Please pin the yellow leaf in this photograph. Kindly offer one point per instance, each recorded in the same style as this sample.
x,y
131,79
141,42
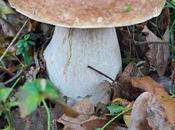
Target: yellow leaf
x,y
120,101
127,116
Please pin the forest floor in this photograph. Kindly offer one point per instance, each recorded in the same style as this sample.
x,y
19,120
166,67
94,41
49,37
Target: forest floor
x,y
141,98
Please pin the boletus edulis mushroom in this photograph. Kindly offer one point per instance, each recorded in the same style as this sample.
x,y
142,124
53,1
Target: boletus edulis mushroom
x,y
85,36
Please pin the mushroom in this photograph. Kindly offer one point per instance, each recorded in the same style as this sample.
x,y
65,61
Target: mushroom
x,y
85,35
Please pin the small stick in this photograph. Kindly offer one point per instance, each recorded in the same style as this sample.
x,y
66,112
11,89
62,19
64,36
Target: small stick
x,y
14,39
150,42
13,78
6,71
90,67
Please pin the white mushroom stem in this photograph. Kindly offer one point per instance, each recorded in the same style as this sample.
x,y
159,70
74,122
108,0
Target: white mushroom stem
x,y
72,50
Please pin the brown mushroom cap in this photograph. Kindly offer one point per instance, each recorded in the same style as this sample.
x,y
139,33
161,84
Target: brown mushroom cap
x,y
89,13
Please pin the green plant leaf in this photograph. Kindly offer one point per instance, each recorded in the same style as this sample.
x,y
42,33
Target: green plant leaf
x,y
26,46
47,89
171,3
20,43
114,109
28,98
31,43
26,37
19,51
32,93
1,109
4,93
6,128
23,48
27,58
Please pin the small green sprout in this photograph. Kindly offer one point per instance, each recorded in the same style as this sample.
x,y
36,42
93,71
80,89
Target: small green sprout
x,y
23,48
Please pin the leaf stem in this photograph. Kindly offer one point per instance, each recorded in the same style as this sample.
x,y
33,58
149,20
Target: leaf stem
x,y
9,119
109,122
12,87
48,115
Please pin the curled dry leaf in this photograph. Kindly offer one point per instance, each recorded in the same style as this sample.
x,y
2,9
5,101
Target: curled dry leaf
x,y
85,108
138,115
148,114
166,102
123,88
158,54
86,120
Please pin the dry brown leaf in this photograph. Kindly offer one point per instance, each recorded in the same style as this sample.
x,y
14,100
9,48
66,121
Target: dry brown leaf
x,y
68,110
86,120
123,88
93,123
164,19
148,114
158,54
138,115
149,85
96,122
85,108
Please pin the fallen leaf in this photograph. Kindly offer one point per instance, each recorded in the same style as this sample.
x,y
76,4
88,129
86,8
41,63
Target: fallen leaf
x,y
122,87
149,85
120,101
164,19
68,110
127,116
138,115
85,108
158,54
115,109
148,114
164,81
37,120
95,122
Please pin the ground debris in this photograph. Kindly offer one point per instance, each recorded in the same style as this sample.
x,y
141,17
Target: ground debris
x,y
148,114
166,102
158,54
122,87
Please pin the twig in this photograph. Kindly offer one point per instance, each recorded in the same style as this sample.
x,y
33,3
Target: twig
x,y
13,78
6,71
37,69
14,39
150,42
73,122
90,67
109,122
